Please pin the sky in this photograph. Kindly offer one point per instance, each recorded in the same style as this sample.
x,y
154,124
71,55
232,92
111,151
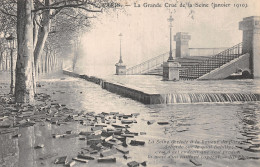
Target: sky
x,y
146,30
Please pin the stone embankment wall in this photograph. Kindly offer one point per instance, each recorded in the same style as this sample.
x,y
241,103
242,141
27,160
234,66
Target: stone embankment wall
x,y
119,89
146,98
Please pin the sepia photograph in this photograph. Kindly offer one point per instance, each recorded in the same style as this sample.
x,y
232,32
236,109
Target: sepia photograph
x,y
129,83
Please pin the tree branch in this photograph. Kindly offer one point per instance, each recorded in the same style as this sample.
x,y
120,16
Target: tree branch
x,y
59,7
55,13
89,10
9,14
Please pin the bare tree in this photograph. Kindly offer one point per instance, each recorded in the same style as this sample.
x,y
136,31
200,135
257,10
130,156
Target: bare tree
x,y
34,19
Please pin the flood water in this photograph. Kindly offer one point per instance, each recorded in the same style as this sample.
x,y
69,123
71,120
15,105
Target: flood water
x,y
155,85
214,134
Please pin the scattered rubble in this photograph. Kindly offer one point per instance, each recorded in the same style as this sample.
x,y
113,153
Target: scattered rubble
x,y
106,134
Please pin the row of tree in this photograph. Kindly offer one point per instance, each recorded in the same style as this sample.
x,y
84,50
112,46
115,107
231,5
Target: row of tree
x,y
49,61
45,31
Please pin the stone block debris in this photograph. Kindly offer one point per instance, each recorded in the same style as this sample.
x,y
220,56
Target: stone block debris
x,y
70,163
150,122
127,121
93,141
107,153
106,160
126,156
133,164
137,143
122,149
143,163
118,126
128,135
80,160
97,147
39,146
162,123
61,160
84,156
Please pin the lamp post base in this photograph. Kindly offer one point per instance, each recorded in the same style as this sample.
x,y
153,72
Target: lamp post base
x,y
171,71
120,69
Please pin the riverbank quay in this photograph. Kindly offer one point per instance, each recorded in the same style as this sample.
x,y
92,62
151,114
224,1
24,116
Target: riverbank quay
x,y
152,90
161,135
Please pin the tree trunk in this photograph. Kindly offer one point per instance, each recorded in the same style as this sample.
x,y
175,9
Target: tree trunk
x,y
12,72
1,61
42,34
6,62
39,69
55,61
24,67
36,21
62,64
49,62
42,64
46,61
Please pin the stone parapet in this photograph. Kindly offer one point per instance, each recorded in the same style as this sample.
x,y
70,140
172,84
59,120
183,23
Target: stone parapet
x,y
182,44
251,42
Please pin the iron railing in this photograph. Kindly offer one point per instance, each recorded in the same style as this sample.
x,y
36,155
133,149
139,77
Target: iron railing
x,y
212,63
148,65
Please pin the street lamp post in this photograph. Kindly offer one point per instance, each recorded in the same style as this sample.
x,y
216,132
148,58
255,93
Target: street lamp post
x,y
10,41
120,37
171,68
170,53
120,67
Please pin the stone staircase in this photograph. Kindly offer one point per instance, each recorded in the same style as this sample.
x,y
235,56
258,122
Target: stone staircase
x,y
198,70
186,62
192,67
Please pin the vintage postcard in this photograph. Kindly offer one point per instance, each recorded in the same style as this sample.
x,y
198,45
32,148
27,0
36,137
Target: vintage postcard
x,y
157,83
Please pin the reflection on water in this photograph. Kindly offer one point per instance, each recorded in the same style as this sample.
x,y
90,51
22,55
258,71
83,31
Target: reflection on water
x,y
249,120
9,151
238,122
